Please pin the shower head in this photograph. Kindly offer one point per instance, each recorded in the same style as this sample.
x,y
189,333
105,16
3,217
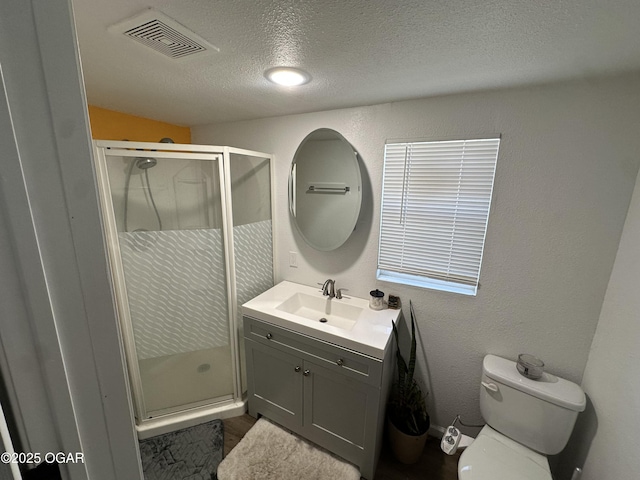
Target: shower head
x,y
145,162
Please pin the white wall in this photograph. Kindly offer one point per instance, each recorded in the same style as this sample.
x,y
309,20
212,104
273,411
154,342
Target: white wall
x,y
610,378
59,274
566,170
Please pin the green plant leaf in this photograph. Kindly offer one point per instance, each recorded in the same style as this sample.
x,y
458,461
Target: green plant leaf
x,y
412,355
407,407
402,366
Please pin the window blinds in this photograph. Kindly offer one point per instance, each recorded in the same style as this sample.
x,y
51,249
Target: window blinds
x,y
435,206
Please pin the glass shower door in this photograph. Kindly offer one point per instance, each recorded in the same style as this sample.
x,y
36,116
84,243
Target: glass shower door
x,y
168,209
250,179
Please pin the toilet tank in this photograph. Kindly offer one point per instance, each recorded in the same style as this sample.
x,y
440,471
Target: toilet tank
x,y
539,414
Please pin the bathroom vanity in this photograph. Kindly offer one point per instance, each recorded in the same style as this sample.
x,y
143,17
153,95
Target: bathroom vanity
x,y
327,381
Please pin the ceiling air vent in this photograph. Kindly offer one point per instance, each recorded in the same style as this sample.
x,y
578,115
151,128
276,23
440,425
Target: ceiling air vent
x,y
163,34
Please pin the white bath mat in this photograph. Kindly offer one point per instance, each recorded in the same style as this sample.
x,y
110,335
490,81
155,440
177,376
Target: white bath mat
x,y
267,452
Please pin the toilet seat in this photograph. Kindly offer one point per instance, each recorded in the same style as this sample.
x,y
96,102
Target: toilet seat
x,y
492,456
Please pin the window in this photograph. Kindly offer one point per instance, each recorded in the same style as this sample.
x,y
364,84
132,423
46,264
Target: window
x,y
435,207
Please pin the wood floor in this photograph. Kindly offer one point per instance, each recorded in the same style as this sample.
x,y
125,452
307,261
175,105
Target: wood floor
x,y
433,465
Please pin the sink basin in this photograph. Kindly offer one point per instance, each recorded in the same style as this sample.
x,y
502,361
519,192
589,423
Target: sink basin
x,y
322,309
347,322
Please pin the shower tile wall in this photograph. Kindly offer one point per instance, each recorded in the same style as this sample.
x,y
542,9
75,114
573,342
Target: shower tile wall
x,y
177,290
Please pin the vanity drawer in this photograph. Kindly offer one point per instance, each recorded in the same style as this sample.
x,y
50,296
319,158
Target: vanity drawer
x,y
328,355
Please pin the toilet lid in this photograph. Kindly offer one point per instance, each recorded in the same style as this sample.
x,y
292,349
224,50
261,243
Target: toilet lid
x,y
493,456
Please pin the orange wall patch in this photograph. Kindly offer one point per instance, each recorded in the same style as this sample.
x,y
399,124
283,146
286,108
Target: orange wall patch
x,y
111,125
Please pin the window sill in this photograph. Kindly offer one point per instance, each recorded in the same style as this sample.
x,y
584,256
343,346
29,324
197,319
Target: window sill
x,y
425,282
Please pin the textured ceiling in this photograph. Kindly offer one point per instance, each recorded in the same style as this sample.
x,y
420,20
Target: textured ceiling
x,y
359,52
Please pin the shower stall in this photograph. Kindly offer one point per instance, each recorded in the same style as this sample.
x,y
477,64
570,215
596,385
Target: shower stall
x,y
189,234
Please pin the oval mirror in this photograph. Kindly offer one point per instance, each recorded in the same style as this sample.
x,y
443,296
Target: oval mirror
x,y
325,189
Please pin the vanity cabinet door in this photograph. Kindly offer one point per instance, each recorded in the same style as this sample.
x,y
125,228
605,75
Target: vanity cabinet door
x,y
274,384
332,396
340,414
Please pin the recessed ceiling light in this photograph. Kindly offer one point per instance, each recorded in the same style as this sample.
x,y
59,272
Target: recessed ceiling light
x,y
287,76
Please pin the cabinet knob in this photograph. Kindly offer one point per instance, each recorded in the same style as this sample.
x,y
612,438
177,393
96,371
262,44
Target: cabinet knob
x,y
340,362
269,336
297,369
306,373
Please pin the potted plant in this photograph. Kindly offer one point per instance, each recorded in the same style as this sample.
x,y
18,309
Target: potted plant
x,y
408,420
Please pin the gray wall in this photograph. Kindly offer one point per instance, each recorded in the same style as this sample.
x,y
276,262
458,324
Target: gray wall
x,y
566,170
610,379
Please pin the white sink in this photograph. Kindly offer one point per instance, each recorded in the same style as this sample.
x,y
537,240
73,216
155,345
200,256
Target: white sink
x,y
322,309
348,322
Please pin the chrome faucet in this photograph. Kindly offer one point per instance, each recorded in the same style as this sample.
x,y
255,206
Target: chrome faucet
x,y
329,288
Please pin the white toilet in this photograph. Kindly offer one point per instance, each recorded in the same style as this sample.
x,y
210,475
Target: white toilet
x,y
526,420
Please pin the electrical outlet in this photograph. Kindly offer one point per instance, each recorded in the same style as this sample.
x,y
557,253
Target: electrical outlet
x,y
293,259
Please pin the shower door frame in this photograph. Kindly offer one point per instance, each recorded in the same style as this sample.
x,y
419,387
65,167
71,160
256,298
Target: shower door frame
x,y
176,151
